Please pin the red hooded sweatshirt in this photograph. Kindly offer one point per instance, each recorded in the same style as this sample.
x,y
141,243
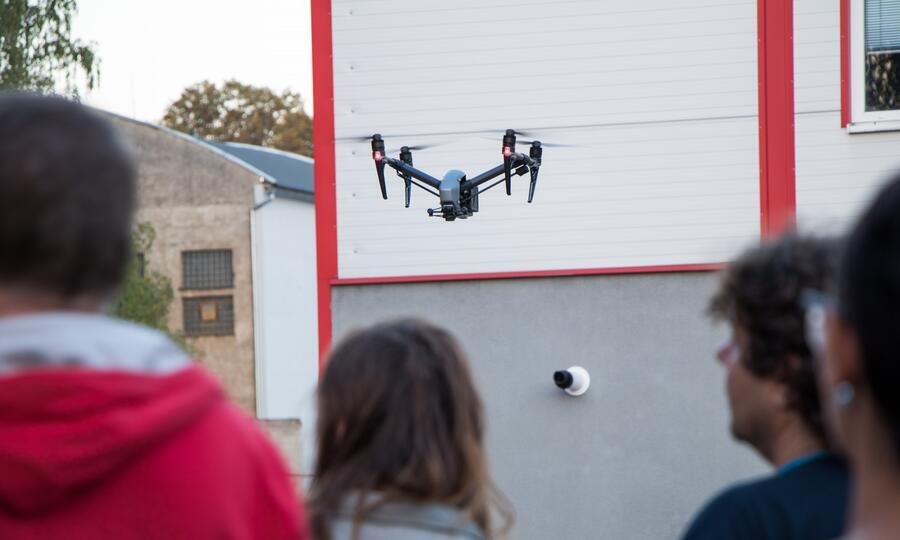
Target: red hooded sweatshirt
x,y
92,454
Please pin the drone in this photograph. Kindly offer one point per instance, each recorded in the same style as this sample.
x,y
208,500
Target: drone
x,y
459,195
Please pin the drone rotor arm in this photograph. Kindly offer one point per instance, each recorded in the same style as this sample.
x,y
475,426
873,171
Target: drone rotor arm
x,y
413,172
486,176
516,161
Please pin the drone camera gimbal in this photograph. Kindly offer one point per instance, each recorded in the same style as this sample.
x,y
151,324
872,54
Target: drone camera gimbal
x,y
458,195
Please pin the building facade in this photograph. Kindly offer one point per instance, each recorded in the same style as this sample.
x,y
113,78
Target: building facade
x,y
238,245
693,129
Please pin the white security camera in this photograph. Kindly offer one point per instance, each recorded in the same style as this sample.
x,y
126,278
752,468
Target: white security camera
x,y
575,380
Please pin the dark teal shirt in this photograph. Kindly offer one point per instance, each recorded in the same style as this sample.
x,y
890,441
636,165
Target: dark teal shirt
x,y
805,500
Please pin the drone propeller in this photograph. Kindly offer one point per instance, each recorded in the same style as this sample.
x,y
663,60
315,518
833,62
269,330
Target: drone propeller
x,y
416,148
360,139
518,133
544,144
550,145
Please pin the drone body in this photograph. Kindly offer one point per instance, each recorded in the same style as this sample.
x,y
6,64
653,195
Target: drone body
x,y
459,195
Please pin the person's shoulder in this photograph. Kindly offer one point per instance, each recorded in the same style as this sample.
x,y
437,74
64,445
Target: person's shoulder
x,y
395,520
239,441
234,456
732,514
827,466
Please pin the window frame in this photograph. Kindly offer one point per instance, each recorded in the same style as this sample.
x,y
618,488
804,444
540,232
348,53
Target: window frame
x,y
196,302
185,254
861,120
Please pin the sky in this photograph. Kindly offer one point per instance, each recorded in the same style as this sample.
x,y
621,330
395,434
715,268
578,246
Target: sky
x,y
150,51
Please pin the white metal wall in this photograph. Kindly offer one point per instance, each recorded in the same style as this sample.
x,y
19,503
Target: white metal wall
x,y
285,309
661,96
837,172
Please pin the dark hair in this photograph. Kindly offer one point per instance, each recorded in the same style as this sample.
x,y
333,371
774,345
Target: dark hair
x,y
67,189
399,415
761,293
869,299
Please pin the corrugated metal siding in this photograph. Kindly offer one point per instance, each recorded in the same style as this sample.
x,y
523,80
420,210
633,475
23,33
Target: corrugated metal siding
x,y
817,56
660,96
837,172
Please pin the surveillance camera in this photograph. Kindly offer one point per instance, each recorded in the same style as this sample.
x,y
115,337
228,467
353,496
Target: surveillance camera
x,y
575,380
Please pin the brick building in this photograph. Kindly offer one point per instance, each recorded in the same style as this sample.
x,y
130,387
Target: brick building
x,y
235,233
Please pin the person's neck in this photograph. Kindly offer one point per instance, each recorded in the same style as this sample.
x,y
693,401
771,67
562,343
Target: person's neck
x,y
877,482
791,441
15,302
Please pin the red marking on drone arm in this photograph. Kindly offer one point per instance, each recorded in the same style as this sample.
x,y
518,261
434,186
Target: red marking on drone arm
x,y
777,190
324,168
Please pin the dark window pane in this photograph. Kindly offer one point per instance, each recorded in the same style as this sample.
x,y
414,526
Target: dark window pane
x,y
207,269
883,81
208,316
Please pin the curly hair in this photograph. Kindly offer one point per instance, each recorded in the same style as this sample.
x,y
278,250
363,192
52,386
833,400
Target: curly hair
x,y
760,292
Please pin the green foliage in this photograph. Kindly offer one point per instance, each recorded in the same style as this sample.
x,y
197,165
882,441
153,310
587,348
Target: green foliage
x,y
146,296
235,112
37,51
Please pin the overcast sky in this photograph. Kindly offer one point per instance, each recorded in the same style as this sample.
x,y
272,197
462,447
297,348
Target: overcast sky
x,y
150,51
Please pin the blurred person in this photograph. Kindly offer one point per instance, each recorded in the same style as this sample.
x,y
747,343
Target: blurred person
x,y
860,375
107,430
401,441
774,400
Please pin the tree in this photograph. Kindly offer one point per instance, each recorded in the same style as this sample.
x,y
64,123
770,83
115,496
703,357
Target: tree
x,y
235,112
146,296
37,51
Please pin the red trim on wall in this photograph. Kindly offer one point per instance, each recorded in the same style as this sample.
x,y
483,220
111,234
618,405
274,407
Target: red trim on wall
x,y
845,63
533,274
324,166
778,201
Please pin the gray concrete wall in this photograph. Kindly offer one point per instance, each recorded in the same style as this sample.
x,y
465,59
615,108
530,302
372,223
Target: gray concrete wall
x,y
636,455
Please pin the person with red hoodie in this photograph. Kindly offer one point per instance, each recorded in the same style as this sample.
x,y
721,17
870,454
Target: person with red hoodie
x,y
107,429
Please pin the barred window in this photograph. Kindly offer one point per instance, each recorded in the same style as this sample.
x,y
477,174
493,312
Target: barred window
x,y
208,269
209,316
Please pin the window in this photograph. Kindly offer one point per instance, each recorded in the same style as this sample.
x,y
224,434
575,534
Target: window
x,y
208,316
875,62
209,269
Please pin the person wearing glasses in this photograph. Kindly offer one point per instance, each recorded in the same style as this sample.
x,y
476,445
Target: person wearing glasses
x,y
859,338
774,399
